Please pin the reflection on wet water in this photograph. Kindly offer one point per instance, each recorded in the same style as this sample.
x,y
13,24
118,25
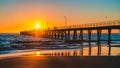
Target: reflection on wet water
x,y
115,51
38,53
10,43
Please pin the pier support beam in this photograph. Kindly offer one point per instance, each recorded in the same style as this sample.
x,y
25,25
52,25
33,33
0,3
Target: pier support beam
x,y
62,35
109,41
52,34
55,36
89,36
44,34
65,34
75,35
48,35
81,41
58,35
98,41
68,36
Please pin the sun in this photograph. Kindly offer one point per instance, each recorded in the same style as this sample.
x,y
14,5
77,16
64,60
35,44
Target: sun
x,y
38,53
37,26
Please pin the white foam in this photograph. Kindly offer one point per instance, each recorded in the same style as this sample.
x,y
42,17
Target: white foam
x,y
17,53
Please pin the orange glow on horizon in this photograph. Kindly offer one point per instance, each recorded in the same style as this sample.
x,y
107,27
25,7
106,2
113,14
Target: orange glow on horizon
x,y
18,16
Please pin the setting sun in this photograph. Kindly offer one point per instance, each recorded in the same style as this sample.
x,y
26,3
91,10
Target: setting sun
x,y
37,26
38,53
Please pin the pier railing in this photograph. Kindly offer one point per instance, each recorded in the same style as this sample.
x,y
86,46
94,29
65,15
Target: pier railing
x,y
99,24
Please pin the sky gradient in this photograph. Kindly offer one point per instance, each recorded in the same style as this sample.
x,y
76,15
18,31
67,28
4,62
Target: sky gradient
x,y
18,15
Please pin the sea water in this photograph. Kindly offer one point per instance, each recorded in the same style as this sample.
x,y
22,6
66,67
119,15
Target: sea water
x,y
6,40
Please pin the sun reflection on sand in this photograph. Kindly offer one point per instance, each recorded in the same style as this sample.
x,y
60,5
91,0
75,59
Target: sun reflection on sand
x,y
104,52
37,53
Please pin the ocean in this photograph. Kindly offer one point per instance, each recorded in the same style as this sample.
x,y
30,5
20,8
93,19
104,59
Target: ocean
x,y
7,42
17,43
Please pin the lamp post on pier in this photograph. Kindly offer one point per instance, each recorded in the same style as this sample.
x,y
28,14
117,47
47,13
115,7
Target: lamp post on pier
x,y
65,21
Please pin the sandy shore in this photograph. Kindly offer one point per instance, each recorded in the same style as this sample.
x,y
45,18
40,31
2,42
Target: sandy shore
x,y
29,59
61,62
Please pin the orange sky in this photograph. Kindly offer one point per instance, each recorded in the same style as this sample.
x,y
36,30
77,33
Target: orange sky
x,y
17,15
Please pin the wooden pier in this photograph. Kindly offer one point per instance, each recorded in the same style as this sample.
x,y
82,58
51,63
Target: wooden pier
x,y
64,33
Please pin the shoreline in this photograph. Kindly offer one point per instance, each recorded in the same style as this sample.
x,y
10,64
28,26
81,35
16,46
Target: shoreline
x,y
115,52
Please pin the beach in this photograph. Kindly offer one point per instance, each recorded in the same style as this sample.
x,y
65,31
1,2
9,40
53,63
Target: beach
x,y
47,54
16,42
62,52
61,62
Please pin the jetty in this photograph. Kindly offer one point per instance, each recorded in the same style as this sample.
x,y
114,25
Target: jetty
x,y
76,31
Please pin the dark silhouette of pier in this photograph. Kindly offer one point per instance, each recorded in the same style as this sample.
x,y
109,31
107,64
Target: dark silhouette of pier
x,y
64,33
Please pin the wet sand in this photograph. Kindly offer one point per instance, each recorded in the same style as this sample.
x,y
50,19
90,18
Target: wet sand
x,y
61,62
